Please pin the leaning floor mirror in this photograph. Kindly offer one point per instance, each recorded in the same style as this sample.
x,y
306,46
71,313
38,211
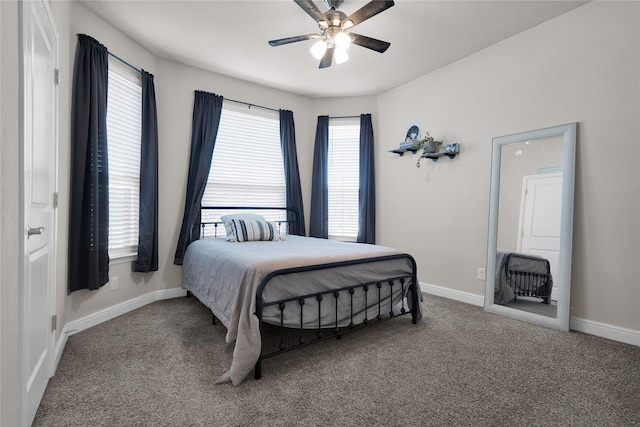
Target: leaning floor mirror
x,y
528,274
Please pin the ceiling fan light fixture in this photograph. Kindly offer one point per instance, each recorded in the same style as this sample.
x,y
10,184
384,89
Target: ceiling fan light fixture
x,y
333,40
341,56
342,41
318,49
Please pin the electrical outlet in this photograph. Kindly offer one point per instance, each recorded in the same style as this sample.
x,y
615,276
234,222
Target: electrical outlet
x,y
114,283
481,273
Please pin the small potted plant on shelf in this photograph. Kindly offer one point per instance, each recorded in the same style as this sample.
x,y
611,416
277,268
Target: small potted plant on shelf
x,y
428,145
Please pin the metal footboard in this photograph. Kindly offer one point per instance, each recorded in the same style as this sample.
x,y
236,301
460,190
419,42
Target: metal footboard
x,y
525,283
319,302
530,281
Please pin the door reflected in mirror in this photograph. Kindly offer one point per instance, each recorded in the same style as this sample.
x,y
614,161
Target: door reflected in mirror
x,y
530,226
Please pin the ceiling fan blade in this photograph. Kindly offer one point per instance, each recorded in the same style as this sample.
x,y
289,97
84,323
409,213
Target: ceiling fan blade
x,y
367,11
312,10
327,58
369,43
287,40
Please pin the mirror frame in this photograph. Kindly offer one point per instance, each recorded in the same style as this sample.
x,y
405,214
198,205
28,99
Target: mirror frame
x,y
568,132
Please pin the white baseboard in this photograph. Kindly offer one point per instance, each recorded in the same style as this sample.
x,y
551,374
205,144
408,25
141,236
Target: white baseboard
x,y
591,327
616,333
466,297
110,313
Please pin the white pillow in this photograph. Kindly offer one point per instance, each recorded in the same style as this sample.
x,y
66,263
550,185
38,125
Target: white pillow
x,y
246,230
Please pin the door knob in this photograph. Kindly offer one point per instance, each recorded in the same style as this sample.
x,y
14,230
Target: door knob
x,y
34,230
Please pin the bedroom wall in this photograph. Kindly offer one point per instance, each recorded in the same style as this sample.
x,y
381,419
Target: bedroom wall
x,y
580,67
71,19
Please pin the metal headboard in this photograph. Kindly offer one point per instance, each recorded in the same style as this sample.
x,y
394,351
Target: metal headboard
x,y
291,219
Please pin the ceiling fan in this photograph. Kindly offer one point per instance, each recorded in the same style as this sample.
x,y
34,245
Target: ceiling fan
x,y
333,39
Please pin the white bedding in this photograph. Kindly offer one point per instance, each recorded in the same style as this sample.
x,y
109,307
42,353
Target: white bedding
x,y
224,276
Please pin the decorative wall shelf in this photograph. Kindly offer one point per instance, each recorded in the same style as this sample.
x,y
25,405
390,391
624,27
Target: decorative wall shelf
x,y
401,151
450,150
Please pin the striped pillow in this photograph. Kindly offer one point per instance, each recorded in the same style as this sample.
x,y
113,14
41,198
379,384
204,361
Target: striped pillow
x,y
245,230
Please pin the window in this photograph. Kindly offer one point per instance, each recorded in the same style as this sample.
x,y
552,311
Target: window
x,y
343,176
124,129
247,168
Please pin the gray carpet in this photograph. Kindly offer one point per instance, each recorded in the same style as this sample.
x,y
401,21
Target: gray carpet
x,y
461,366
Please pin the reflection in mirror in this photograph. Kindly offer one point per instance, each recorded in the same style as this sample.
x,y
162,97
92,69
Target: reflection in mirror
x,y
530,226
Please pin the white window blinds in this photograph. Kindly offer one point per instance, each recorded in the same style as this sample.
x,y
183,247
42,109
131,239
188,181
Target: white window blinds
x,y
247,168
124,129
343,174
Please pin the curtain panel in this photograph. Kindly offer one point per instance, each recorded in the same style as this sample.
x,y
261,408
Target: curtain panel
x,y
291,172
367,195
318,221
88,266
207,108
148,213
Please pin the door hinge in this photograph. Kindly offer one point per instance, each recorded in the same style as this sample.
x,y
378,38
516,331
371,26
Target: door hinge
x,y
56,76
55,200
54,322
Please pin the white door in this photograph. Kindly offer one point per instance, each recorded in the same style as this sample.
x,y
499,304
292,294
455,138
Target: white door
x,y
39,49
540,220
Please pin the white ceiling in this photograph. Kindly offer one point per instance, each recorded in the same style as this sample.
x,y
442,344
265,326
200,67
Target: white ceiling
x,y
230,37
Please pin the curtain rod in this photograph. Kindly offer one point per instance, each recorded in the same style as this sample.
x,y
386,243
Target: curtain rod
x,y
113,55
273,109
251,105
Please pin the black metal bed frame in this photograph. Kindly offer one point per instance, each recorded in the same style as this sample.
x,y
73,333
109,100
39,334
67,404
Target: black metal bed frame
x,y
303,337
215,224
527,283
385,309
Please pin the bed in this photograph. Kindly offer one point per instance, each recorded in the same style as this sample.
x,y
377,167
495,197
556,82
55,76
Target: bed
x,y
310,289
519,274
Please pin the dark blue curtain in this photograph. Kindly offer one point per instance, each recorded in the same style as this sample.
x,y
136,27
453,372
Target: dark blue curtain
x,y
148,216
291,172
207,108
318,221
88,266
367,195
